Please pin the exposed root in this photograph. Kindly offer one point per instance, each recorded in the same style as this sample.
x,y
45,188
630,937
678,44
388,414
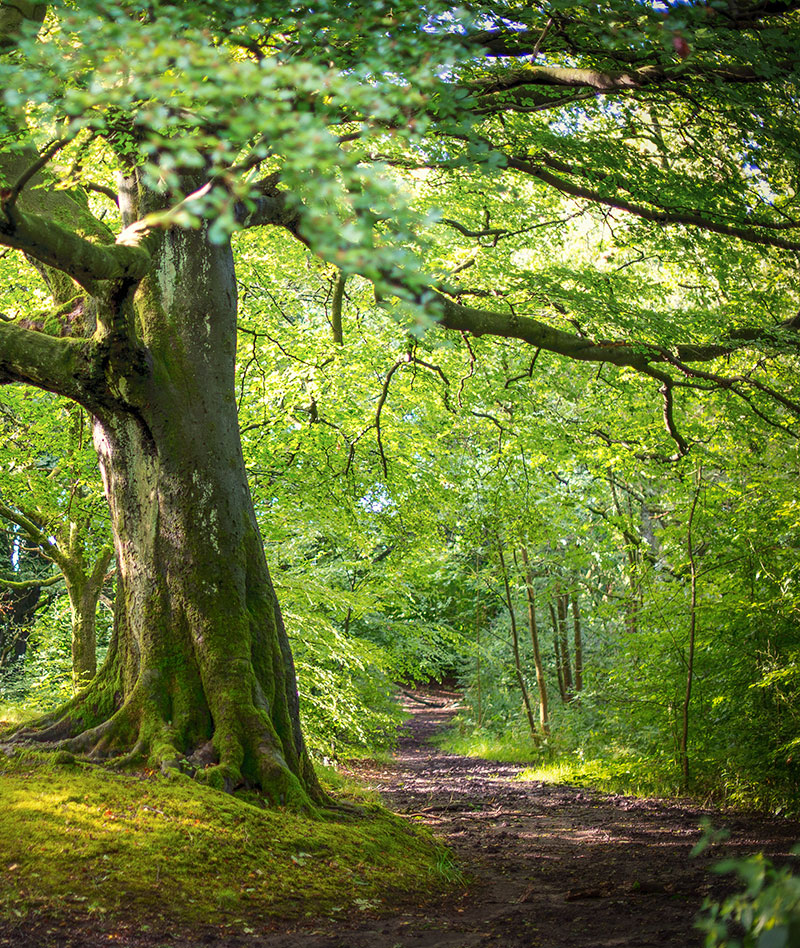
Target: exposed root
x,y
166,725
133,738
54,734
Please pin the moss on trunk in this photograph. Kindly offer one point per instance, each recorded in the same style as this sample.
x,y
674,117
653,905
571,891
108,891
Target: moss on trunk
x,y
200,675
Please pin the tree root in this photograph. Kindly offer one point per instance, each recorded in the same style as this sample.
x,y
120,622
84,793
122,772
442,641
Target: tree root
x,y
133,738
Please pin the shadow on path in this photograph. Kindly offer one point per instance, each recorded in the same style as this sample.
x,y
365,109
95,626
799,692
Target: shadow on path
x,y
552,866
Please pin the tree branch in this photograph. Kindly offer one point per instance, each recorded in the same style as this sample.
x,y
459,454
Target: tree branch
x,y
30,583
60,365
57,247
34,169
601,81
667,385
657,215
101,565
379,408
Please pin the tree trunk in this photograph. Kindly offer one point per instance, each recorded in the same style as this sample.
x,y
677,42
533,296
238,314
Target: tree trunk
x,y
559,658
83,608
544,718
199,675
526,699
478,683
566,664
83,590
578,640
690,549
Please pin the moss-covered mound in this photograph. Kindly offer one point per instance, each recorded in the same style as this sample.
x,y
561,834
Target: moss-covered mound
x,y
79,839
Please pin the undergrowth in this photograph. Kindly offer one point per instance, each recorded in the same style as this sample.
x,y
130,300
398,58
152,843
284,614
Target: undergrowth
x,y
599,762
78,839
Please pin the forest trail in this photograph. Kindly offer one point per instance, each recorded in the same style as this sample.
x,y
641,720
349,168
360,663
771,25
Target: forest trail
x,y
551,866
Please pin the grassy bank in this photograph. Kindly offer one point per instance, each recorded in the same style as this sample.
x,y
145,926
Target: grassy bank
x,y
78,839
612,768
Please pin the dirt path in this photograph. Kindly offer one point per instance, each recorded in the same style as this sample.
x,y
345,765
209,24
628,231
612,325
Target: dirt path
x,y
553,867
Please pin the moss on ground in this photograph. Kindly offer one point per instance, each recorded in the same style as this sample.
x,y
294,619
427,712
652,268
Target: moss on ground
x,y
77,839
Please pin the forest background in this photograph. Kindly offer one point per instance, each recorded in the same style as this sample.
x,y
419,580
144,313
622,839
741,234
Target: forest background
x,y
602,553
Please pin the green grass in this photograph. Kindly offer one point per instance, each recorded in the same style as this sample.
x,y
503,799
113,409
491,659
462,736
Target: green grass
x,y
611,768
77,838
508,748
619,771
616,775
11,713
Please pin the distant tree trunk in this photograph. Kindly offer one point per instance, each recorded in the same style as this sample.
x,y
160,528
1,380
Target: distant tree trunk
x,y
515,646
578,639
562,606
17,607
557,649
478,641
67,549
83,590
544,719
684,748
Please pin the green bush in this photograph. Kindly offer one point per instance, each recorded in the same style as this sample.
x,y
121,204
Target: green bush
x,y
766,914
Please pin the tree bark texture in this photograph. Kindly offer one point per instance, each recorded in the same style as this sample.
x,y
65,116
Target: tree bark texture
x,y
199,674
577,637
563,640
526,698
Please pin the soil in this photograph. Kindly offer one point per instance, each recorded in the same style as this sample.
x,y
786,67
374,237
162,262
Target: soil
x,y
549,866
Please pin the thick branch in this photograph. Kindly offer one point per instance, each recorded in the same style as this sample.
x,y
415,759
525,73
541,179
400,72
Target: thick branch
x,y
657,215
36,534
638,356
481,322
31,583
602,81
271,206
57,247
60,365
101,565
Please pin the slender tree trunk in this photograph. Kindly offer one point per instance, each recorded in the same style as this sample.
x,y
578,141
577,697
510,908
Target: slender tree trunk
x,y
526,699
684,746
479,694
544,718
84,593
578,640
67,549
557,649
562,604
83,589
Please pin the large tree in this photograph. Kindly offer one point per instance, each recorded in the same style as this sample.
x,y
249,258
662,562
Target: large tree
x,y
193,120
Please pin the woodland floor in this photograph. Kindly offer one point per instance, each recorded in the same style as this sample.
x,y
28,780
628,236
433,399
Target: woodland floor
x,y
549,866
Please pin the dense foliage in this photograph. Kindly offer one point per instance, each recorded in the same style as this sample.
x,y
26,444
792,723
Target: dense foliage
x,y
517,353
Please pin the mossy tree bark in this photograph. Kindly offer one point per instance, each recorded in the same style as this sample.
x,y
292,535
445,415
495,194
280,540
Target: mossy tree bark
x,y
199,674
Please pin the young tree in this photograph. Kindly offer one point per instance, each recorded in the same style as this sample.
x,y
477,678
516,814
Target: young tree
x,y
52,495
211,118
